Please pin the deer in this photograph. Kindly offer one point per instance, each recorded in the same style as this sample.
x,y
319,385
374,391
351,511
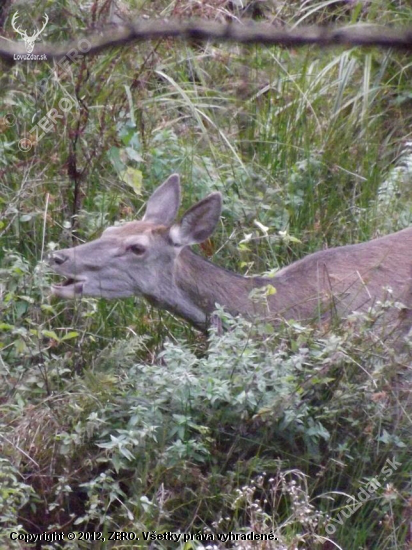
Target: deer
x,y
152,258
29,41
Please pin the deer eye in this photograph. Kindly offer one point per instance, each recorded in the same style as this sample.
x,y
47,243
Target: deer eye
x,y
137,249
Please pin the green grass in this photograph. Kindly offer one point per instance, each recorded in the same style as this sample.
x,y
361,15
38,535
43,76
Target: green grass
x,y
117,417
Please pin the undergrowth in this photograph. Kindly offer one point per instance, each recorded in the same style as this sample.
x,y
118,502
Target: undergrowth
x,y
117,417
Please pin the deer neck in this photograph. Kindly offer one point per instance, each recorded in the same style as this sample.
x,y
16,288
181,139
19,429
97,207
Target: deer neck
x,y
198,285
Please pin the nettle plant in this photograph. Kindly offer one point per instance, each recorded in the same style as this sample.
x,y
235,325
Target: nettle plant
x,y
291,382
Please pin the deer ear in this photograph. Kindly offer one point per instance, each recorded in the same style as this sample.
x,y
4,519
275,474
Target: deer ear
x,y
164,203
199,222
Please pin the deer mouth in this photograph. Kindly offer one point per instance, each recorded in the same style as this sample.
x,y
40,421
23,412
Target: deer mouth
x,y
70,288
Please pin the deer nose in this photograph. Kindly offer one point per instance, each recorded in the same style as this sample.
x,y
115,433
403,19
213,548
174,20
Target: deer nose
x,y
57,258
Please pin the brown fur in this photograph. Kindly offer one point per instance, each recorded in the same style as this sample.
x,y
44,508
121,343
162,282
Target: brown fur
x,y
327,283
152,258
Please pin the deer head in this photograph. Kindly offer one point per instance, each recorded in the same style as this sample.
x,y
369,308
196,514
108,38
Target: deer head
x,y
139,257
28,40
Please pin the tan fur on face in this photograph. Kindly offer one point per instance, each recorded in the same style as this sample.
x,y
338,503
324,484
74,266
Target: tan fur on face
x,y
131,228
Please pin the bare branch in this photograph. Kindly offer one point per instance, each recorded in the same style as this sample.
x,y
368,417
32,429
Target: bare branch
x,y
195,29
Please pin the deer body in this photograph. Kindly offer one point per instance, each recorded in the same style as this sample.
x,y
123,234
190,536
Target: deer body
x,y
152,258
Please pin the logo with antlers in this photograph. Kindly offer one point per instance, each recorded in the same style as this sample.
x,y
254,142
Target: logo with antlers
x,y
28,40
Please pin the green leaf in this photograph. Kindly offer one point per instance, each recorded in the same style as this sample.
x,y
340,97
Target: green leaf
x,y
70,335
50,334
115,158
48,308
133,155
133,178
